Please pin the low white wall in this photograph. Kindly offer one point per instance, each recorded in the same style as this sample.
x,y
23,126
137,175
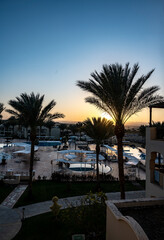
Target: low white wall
x,y
119,227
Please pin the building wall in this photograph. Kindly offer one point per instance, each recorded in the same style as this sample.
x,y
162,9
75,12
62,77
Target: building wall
x,y
22,132
119,227
153,146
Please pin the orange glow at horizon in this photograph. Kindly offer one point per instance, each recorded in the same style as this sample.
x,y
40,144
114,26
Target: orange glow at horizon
x,y
81,113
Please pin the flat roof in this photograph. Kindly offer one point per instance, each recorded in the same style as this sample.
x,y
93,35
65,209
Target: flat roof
x,y
158,105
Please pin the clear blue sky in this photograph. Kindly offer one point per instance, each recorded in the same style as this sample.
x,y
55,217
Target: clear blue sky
x,y
46,45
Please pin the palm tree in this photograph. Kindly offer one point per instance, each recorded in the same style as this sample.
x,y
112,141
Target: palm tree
x,y
99,130
30,111
114,92
62,127
73,128
12,122
7,125
1,109
49,123
79,126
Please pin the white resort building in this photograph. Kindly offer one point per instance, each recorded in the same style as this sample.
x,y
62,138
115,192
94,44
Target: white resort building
x,y
154,160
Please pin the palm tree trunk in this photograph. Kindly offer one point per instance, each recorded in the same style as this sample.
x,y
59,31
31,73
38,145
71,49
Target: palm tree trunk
x,y
13,130
40,130
32,138
27,133
119,131
121,167
97,161
49,132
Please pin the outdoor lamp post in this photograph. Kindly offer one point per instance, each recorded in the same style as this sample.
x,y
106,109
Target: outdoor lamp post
x,y
51,167
23,215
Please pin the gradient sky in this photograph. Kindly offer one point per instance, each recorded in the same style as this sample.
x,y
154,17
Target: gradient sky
x,y
47,45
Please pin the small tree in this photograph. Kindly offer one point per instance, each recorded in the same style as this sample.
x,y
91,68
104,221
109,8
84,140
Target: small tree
x,y
12,122
99,130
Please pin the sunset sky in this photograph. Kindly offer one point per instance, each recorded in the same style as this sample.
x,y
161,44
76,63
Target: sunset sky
x,y
47,45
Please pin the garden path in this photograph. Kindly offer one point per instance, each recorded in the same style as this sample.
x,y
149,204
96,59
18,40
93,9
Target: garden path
x,y
10,220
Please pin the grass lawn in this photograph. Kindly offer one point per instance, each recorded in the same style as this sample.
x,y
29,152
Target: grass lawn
x,y
45,190
5,190
88,220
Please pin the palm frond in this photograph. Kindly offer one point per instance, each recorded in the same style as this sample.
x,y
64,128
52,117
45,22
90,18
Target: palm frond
x,y
29,109
113,91
55,116
98,128
1,107
47,109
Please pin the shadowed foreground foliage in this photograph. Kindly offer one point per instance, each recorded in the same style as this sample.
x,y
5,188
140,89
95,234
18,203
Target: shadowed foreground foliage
x,y
45,190
5,190
89,220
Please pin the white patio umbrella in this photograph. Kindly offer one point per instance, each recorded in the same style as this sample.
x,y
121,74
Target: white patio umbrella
x,y
93,156
73,151
70,156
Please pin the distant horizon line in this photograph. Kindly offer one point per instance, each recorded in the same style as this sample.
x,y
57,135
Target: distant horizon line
x,y
127,124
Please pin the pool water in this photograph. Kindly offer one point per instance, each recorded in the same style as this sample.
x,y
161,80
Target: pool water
x,y
84,167
81,167
47,143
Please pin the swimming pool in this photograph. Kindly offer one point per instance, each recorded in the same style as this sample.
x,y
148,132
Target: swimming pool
x,y
133,155
47,143
81,167
85,167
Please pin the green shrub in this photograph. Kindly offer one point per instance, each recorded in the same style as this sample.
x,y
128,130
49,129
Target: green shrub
x,y
90,216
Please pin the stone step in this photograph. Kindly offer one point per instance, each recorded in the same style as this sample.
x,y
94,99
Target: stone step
x,y
13,197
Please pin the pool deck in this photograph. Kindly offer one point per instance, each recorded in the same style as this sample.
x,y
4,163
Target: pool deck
x,y
10,220
43,167
47,164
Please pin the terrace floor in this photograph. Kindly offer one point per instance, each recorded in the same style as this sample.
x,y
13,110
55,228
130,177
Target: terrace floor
x,y
151,219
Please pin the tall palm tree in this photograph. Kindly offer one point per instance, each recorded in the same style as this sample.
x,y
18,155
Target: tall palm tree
x,y
99,130
30,111
114,92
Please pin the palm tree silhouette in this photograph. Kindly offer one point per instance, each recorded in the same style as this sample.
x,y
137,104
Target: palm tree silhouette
x,y
49,123
30,111
114,92
99,129
1,109
12,122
